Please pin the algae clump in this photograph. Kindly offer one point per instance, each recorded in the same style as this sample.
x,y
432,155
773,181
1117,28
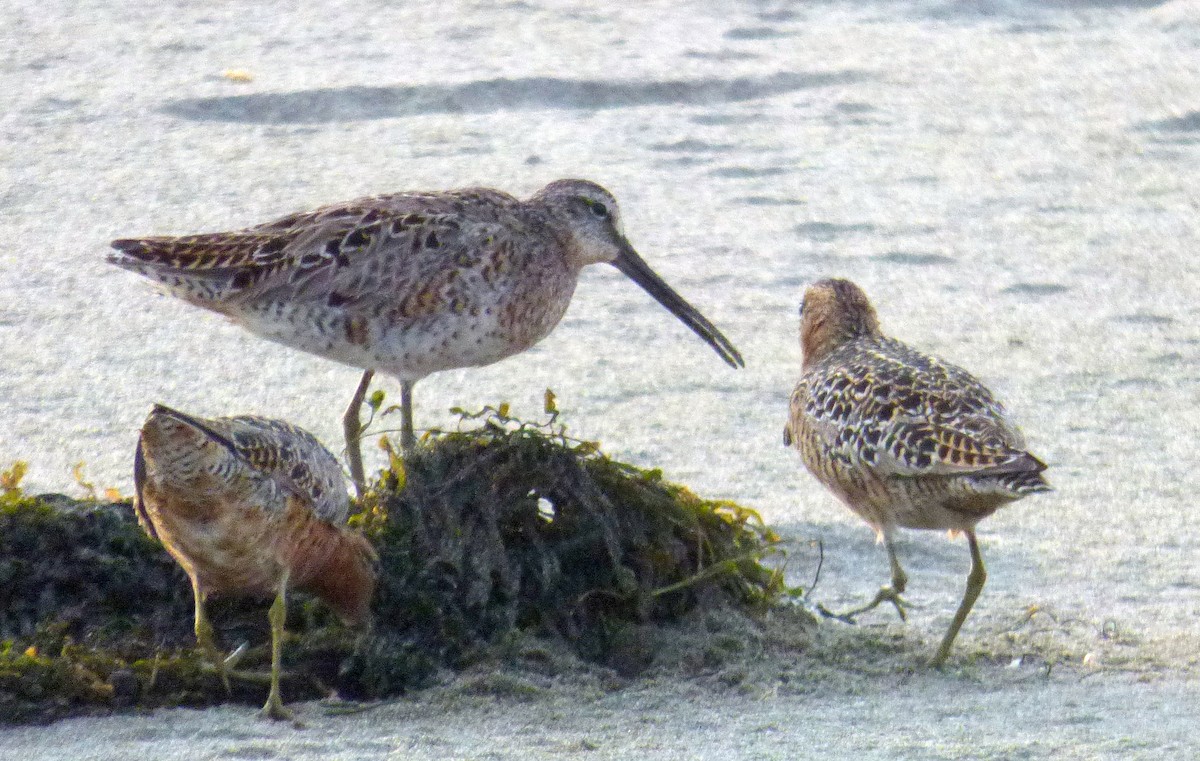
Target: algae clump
x,y
501,526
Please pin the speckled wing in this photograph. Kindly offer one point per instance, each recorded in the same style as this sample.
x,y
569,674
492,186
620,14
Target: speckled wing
x,y
212,268
901,412
356,253
291,457
394,263
290,460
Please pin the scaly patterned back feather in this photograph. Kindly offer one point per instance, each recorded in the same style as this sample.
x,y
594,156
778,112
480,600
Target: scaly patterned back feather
x,y
902,436
281,458
897,410
360,253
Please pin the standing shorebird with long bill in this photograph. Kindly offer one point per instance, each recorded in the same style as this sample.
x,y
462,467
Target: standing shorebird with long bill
x,y
903,438
409,283
248,505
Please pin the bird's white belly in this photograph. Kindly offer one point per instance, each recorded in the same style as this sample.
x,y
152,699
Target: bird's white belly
x,y
409,350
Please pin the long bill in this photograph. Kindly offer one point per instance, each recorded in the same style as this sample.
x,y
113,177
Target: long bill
x,y
636,269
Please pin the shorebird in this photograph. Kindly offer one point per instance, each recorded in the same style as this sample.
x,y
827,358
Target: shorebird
x,y
252,506
409,283
903,438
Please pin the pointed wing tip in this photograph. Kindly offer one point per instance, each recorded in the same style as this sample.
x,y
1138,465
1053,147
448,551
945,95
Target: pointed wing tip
x,y
1023,474
128,246
129,253
1025,462
162,409
205,427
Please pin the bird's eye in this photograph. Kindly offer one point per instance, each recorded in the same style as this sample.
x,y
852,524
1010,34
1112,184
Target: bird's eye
x,y
599,209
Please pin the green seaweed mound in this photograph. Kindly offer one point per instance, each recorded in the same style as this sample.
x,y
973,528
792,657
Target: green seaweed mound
x,y
502,526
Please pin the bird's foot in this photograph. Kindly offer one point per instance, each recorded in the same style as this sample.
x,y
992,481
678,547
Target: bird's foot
x,y
227,675
217,663
885,594
227,669
939,659
207,641
274,709
249,677
225,666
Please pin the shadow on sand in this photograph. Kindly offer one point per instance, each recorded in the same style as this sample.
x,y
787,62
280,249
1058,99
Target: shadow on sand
x,y
341,104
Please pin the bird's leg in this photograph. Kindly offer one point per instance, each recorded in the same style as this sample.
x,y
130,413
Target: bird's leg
x,y
206,638
975,581
885,594
899,580
277,616
408,437
352,427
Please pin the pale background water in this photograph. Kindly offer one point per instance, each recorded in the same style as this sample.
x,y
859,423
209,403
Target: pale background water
x,y
1015,184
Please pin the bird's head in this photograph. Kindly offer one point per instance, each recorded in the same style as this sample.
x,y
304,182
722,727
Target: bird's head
x,y
589,214
347,580
833,312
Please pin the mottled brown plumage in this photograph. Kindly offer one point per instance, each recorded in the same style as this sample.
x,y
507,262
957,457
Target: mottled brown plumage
x,y
248,505
903,438
409,283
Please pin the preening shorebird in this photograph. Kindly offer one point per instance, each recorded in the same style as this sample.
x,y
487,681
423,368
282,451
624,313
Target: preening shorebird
x,y
248,505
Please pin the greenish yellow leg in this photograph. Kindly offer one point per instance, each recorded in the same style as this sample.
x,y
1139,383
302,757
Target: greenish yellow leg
x,y
352,428
886,593
408,436
975,581
277,616
205,636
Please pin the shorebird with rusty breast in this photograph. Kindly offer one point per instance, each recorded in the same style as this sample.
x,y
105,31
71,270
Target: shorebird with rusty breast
x,y
249,505
903,438
409,283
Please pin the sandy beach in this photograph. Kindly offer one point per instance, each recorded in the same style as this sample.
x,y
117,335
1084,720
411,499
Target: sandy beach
x,y
1015,184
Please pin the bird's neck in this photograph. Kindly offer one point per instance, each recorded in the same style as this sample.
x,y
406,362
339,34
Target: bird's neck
x,y
346,581
819,339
